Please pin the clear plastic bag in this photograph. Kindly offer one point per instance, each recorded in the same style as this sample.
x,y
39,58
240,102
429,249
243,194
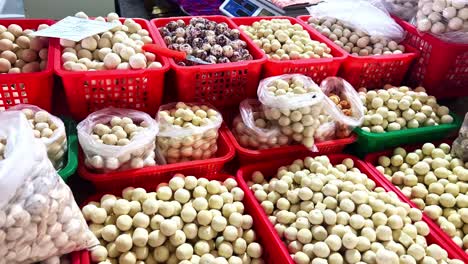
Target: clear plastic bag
x,y
253,131
56,144
39,218
138,153
369,16
447,19
293,102
460,145
404,9
344,107
183,142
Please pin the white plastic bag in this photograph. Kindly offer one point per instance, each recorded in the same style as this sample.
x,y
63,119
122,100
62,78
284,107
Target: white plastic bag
x,y
293,102
39,218
344,117
56,144
447,19
370,17
460,145
404,9
138,153
183,141
253,131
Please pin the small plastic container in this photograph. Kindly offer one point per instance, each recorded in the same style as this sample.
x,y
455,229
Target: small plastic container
x,y
223,84
369,142
122,179
72,150
28,88
244,174
442,67
317,69
372,159
89,91
270,250
372,71
248,156
80,257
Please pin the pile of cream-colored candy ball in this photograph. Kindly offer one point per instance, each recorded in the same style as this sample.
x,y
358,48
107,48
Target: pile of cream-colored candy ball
x,y
436,182
334,214
398,108
119,132
188,220
405,9
120,48
188,132
21,52
441,16
46,128
297,123
281,40
251,139
356,42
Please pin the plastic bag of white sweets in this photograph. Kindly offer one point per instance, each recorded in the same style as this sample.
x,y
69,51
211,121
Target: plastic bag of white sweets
x,y
344,107
253,131
39,218
188,131
50,129
293,102
404,9
460,145
369,16
118,139
447,19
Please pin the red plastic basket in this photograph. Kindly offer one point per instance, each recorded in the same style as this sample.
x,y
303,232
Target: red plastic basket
x,y
373,71
122,179
442,67
244,174
249,156
221,85
317,69
270,251
372,159
28,88
89,91
80,257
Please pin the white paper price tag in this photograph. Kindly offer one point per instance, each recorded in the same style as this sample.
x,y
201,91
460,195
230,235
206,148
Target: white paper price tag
x,y
74,28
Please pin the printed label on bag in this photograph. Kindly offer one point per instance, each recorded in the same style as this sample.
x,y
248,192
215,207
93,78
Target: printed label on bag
x,y
74,28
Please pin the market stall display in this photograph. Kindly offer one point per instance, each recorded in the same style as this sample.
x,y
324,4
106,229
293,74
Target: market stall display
x,y
118,139
27,64
221,84
335,210
39,217
50,129
398,115
291,47
435,181
188,132
186,220
110,69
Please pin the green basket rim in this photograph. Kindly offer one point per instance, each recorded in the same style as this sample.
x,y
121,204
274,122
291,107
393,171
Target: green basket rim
x,y
72,149
457,122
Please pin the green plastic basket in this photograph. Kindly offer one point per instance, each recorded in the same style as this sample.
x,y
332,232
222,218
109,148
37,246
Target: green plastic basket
x,y
72,152
369,142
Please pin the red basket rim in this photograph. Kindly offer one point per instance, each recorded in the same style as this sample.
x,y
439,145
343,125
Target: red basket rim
x,y
341,54
404,56
106,73
435,231
156,23
50,56
370,160
289,149
98,177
